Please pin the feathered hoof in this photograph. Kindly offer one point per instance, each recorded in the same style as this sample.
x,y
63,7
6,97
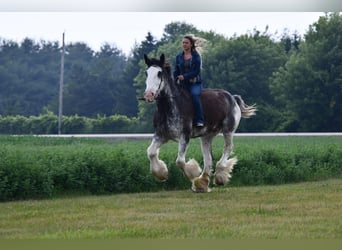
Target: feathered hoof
x,y
223,171
201,184
160,171
192,169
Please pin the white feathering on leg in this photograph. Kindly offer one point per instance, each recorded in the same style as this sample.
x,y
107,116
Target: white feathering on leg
x,y
192,169
223,171
159,170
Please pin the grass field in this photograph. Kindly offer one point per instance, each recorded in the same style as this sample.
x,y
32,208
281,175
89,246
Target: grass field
x,y
310,210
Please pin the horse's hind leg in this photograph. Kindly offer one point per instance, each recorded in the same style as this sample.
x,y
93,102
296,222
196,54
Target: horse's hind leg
x,y
224,166
201,184
157,167
228,146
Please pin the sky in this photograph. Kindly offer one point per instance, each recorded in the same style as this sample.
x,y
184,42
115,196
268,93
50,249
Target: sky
x,y
124,29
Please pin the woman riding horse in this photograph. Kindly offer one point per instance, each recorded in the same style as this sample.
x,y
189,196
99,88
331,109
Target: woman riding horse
x,y
173,120
188,73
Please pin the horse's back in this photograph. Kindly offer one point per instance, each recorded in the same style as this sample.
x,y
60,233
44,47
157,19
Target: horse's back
x,y
218,105
215,93
217,98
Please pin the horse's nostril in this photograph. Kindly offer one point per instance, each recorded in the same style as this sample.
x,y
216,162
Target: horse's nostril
x,y
149,96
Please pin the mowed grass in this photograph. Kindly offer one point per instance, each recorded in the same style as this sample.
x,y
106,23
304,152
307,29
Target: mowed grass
x,y
310,210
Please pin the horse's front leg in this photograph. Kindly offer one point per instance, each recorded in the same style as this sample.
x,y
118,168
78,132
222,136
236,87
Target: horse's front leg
x,y
201,184
157,167
191,168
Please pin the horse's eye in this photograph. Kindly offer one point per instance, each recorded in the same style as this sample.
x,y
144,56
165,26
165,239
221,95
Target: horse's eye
x,y
159,74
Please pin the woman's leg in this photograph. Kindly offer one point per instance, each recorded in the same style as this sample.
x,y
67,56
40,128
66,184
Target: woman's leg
x,y
196,90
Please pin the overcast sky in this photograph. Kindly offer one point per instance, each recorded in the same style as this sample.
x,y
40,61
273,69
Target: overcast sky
x,y
124,29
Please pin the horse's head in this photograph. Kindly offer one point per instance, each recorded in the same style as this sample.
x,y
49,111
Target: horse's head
x,y
154,77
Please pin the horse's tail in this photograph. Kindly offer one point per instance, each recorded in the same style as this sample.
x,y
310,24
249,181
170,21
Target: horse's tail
x,y
246,111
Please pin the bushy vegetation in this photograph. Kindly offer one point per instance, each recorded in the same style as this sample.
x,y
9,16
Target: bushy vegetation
x,y
48,124
37,167
286,160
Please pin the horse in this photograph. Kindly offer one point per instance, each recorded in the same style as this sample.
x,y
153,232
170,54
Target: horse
x,y
173,120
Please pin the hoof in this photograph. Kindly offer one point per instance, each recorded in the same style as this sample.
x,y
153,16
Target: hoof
x,y
201,184
160,178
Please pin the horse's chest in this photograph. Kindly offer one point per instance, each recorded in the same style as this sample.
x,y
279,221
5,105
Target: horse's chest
x,y
169,120
171,126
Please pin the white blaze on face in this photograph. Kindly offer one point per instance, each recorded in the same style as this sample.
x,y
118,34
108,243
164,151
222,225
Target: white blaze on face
x,y
153,81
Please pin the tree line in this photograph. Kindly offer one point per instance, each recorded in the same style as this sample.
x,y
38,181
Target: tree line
x,y
295,80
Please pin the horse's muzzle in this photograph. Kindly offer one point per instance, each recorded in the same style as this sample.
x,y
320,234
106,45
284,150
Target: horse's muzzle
x,y
149,96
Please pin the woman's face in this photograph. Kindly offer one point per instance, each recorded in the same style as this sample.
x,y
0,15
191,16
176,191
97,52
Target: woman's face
x,y
186,44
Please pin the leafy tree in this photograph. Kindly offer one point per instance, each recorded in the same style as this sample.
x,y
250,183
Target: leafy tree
x,y
133,67
242,65
28,76
309,85
290,42
97,87
174,30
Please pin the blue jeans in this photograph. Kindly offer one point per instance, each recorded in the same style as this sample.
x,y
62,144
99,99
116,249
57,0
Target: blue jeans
x,y
195,91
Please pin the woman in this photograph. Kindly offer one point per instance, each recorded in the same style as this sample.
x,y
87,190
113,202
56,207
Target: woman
x,y
188,73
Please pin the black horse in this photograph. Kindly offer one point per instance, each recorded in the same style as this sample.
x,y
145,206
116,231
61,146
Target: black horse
x,y
173,121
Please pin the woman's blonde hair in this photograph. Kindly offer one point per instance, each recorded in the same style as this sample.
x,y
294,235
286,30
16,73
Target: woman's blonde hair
x,y
197,43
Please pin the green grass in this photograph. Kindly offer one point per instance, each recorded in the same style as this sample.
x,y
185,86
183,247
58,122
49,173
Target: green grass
x,y
310,210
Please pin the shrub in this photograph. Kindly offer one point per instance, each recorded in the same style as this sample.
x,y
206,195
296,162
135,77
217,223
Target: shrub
x,y
36,167
47,123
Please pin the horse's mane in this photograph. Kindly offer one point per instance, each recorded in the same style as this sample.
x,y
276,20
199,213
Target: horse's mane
x,y
167,67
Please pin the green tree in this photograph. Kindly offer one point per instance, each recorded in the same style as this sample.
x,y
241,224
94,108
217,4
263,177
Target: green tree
x,y
309,86
28,76
174,30
242,65
133,67
290,42
96,87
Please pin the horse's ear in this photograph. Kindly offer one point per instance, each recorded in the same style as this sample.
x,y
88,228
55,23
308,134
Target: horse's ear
x,y
147,60
162,59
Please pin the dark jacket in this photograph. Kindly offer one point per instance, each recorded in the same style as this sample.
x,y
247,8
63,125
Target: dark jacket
x,y
194,74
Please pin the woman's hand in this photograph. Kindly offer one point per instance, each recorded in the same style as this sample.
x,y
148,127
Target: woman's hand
x,y
181,77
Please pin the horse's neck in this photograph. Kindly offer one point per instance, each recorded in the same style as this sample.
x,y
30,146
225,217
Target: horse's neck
x,y
165,102
171,100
